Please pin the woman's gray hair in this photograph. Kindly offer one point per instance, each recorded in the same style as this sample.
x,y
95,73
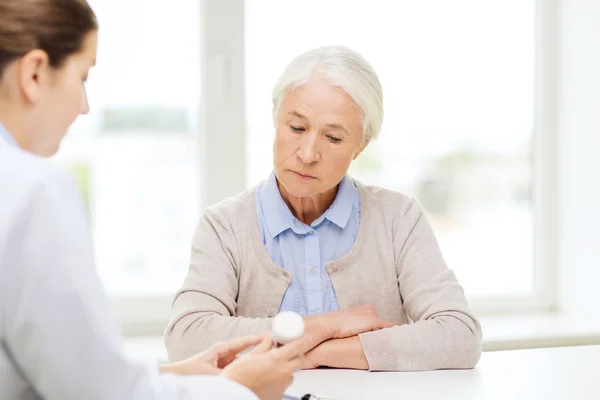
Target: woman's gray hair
x,y
341,67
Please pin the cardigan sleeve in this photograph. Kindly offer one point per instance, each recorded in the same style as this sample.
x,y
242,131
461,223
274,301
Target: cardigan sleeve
x,y
444,333
203,311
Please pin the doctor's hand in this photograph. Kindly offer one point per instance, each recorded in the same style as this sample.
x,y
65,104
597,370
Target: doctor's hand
x,y
266,370
213,360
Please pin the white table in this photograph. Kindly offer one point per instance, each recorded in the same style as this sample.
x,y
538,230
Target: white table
x,y
546,374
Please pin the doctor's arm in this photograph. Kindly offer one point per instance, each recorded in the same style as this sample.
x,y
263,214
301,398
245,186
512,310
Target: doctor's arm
x,y
62,335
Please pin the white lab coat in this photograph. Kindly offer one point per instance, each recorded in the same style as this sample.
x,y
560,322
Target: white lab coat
x,y
58,337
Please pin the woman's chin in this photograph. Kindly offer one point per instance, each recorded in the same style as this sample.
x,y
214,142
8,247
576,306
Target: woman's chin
x,y
300,188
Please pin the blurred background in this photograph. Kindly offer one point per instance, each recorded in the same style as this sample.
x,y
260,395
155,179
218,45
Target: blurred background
x,y
489,114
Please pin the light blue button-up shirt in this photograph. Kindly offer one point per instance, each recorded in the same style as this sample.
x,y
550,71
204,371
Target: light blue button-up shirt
x,y
305,250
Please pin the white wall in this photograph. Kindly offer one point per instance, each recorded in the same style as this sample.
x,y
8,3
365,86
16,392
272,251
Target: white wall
x,y
579,156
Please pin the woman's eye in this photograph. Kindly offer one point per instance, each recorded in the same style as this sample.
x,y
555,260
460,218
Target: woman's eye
x,y
297,128
334,139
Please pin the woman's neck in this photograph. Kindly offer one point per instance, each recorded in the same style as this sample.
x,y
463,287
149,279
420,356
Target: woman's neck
x,y
9,118
308,209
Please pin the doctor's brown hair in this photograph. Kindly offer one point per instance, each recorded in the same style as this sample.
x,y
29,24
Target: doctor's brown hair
x,y
57,27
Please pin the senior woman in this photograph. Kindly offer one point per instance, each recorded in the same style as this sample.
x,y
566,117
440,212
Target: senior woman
x,y
360,263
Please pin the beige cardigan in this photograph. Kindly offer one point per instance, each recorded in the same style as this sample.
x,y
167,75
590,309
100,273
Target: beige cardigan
x,y
233,288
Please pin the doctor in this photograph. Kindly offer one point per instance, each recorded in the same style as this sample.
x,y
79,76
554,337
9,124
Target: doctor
x,y
58,338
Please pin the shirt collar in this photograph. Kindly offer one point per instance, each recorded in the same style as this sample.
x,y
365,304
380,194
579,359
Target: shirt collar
x,y
341,208
279,218
6,136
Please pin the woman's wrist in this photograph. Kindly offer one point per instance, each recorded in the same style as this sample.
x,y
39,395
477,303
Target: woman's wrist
x,y
319,327
341,353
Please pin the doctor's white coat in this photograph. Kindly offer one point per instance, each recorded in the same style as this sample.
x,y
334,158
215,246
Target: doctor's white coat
x,y
58,337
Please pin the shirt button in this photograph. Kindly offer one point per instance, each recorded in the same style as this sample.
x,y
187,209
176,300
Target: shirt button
x,y
313,270
311,232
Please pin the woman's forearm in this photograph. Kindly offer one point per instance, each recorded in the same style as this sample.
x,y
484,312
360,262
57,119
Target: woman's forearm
x,y
339,353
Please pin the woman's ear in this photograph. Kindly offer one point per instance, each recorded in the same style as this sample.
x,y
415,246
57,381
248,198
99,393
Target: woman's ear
x,y
33,74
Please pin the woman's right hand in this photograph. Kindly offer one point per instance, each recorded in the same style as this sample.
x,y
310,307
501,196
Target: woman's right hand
x,y
267,372
344,323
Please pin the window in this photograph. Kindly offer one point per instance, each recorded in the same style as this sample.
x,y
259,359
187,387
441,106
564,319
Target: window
x,y
458,81
166,135
134,155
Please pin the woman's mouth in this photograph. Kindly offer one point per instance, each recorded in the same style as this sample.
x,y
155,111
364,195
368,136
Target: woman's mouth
x,y
303,176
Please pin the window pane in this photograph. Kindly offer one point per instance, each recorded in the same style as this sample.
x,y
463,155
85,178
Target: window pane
x,y
135,153
458,88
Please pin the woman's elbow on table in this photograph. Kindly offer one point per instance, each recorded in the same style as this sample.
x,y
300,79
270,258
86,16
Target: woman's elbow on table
x,y
187,336
177,341
467,348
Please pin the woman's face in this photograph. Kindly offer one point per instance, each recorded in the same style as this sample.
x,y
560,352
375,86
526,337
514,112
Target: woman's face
x,y
319,132
58,98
